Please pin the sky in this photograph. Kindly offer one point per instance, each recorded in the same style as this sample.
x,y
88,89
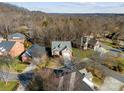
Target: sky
x,y
73,7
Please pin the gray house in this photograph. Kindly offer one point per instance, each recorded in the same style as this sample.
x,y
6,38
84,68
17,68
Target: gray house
x,y
59,46
35,51
88,42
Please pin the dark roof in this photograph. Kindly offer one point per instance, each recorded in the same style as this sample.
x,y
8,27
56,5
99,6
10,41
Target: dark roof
x,y
16,35
92,41
6,45
84,39
1,36
51,82
36,51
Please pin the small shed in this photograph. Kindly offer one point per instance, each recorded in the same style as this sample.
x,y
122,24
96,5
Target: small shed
x,y
11,48
35,51
18,37
59,46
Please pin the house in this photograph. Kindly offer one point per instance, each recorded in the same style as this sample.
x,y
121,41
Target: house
x,y
89,42
101,50
72,81
11,48
18,37
1,38
60,47
121,43
35,51
67,56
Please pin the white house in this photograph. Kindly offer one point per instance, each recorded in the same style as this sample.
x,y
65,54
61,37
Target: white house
x,y
59,46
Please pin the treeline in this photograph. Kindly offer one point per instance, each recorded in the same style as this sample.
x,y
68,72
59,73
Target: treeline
x,y
47,27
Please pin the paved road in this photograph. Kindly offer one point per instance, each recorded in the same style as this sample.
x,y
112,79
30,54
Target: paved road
x,y
8,76
112,51
25,78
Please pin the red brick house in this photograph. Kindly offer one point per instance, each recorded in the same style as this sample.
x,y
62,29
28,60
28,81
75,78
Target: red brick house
x,y
11,48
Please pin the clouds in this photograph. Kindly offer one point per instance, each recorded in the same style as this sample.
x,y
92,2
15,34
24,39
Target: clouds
x,y
73,7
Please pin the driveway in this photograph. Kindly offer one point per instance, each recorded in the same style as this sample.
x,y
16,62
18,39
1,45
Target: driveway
x,y
8,76
113,51
26,76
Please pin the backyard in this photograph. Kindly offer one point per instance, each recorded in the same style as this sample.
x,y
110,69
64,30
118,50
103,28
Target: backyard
x,y
10,86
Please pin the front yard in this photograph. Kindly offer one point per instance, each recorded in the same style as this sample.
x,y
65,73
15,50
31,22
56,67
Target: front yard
x,y
78,53
17,66
10,86
116,64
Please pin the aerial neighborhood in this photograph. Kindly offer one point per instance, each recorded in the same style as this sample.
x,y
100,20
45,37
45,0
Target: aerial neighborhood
x,y
60,52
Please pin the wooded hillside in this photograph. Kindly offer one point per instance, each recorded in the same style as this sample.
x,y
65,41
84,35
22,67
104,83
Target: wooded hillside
x,y
46,27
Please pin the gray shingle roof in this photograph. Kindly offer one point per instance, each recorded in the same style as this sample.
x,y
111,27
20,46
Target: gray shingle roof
x,y
1,36
92,41
60,45
7,45
36,51
16,35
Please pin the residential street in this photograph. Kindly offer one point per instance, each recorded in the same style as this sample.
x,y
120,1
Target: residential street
x,y
112,51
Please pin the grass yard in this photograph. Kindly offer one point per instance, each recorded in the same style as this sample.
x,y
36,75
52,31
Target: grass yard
x,y
51,63
108,43
97,82
10,86
17,65
82,53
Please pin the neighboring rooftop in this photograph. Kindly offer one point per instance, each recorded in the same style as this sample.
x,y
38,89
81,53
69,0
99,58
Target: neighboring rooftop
x,y
16,36
68,82
36,51
6,46
60,45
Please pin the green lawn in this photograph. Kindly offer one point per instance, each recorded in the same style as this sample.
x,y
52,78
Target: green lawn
x,y
82,53
50,63
19,67
97,82
108,43
9,86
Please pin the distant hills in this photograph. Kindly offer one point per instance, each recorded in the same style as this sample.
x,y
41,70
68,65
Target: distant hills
x,y
53,26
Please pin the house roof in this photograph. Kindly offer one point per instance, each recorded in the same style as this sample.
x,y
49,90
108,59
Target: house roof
x,y
16,35
36,51
60,45
1,36
92,41
6,45
63,83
